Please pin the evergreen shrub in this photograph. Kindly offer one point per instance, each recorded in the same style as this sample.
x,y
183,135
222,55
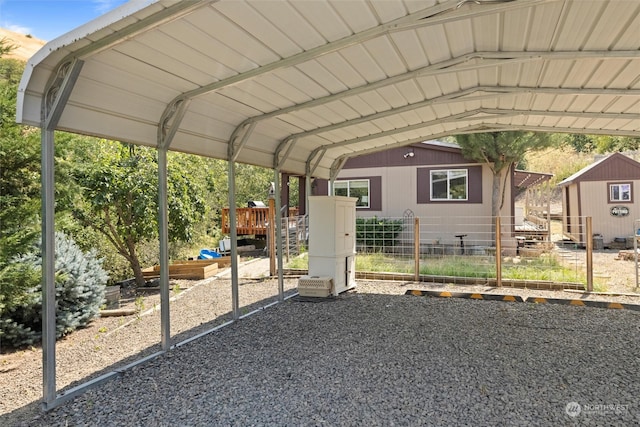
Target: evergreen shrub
x,y
80,287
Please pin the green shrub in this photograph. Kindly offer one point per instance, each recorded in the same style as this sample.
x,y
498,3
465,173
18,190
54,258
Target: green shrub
x,y
377,232
80,285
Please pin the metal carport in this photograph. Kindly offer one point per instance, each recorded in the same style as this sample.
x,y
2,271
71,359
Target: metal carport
x,y
300,86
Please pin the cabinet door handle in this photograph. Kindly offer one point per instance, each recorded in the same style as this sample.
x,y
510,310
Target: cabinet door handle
x,y
346,234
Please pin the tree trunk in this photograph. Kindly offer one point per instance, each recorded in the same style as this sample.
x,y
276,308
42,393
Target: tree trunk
x,y
495,202
495,194
137,271
135,264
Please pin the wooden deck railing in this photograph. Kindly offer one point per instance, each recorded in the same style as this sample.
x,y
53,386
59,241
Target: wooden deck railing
x,y
250,221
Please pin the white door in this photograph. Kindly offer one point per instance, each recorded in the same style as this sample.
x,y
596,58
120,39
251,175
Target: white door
x,y
345,228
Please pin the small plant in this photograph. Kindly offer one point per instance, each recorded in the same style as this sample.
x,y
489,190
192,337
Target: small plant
x,y
300,262
176,289
139,304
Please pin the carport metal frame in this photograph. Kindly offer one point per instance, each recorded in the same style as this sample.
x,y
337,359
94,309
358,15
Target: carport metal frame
x,y
61,84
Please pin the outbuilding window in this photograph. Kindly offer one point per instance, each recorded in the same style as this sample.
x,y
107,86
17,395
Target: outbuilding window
x,y
620,192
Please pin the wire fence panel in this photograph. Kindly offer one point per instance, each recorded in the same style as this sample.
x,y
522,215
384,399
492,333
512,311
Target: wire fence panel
x,y
463,250
384,244
456,249
295,241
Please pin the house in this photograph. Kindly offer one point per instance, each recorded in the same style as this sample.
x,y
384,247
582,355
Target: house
x,y
608,191
433,181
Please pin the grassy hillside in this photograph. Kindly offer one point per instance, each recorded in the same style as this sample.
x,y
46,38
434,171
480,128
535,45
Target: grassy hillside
x,y
562,162
26,46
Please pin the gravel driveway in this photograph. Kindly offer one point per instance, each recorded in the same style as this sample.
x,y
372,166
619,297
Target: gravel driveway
x,y
370,357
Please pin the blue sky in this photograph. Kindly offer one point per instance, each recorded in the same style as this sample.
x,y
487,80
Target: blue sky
x,y
48,19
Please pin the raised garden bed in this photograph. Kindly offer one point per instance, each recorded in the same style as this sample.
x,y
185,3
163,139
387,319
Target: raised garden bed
x,y
192,269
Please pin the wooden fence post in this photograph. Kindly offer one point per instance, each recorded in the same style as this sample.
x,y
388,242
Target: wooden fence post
x,y
416,248
498,253
589,254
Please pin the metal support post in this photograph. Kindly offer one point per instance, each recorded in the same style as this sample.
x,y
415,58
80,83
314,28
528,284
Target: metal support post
x,y
272,236
235,294
57,93
48,271
307,183
163,231
278,230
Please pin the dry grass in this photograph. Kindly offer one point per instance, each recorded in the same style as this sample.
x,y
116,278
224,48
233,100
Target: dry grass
x,y
562,162
25,46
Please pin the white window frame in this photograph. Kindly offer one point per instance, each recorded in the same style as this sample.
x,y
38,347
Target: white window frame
x,y
619,185
348,182
449,177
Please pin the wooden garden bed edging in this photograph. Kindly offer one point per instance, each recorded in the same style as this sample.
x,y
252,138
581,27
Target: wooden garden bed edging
x,y
190,269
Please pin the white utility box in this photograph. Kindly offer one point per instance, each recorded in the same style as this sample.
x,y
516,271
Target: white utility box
x,y
332,240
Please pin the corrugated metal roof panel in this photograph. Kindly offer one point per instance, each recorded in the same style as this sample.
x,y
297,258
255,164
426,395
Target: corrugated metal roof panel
x,y
400,70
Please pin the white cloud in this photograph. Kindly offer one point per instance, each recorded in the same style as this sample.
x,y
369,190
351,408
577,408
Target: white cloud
x,y
5,22
103,6
17,28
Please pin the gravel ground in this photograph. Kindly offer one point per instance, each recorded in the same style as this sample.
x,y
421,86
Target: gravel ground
x,y
370,357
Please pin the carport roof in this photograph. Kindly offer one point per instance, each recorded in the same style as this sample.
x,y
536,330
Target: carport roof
x,y
303,85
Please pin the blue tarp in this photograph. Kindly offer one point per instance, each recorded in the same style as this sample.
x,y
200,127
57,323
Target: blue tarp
x,y
208,254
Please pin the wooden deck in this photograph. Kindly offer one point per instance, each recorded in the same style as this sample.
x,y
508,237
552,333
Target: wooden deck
x,y
533,226
250,221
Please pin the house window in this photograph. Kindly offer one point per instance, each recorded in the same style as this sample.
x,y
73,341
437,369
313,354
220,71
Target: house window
x,y
620,192
449,184
354,188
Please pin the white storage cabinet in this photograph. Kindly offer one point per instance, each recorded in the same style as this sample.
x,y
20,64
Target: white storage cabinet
x,y
332,240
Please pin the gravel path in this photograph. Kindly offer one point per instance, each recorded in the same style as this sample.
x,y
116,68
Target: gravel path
x,y
371,357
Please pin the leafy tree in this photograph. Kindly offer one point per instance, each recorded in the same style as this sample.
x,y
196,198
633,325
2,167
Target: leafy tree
x,y
120,198
19,189
80,282
252,183
601,144
580,142
611,144
500,150
19,168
